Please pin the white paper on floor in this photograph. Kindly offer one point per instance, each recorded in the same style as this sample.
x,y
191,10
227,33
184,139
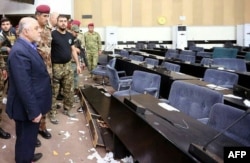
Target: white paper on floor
x,y
3,147
108,158
67,135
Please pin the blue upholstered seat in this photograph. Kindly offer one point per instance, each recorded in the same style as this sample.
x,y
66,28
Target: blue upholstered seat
x,y
187,58
185,52
142,82
247,56
151,45
221,78
152,61
118,83
224,52
171,66
171,53
136,57
124,53
231,63
140,45
207,61
193,100
204,54
221,116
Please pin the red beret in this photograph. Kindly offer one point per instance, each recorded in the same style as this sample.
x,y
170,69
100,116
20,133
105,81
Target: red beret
x,y
91,24
76,22
43,9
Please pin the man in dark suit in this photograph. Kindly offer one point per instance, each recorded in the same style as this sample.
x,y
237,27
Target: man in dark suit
x,y
30,93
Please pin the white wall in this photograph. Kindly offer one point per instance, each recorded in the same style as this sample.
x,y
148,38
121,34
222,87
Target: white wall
x,y
12,7
202,33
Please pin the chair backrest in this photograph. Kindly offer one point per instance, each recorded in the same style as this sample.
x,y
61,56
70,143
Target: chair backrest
x,y
113,77
140,45
136,57
112,62
187,58
142,80
184,52
224,52
207,61
124,53
171,55
231,63
152,61
204,54
221,78
221,116
195,101
171,66
151,45
247,56
196,49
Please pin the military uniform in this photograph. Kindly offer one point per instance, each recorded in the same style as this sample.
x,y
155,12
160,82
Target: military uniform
x,y
44,48
92,46
2,67
7,40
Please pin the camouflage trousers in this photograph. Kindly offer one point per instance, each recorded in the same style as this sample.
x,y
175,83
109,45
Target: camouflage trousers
x,y
92,60
75,75
1,98
62,73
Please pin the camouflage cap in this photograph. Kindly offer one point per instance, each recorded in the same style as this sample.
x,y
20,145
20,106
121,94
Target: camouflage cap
x,y
75,28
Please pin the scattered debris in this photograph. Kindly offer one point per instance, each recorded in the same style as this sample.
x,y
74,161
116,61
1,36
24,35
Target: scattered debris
x,y
55,153
3,147
67,135
108,158
67,153
73,119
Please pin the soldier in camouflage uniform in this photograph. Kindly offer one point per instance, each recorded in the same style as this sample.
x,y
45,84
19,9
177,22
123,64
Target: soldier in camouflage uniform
x,y
44,48
62,51
7,39
92,46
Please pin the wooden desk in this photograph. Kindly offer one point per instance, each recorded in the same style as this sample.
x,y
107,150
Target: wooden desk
x,y
238,103
150,138
198,70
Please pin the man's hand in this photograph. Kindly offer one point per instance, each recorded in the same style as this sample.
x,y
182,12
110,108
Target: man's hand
x,y
37,119
99,52
5,74
79,70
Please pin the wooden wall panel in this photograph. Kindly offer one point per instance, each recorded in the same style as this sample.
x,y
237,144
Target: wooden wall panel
x,y
126,13
246,11
146,12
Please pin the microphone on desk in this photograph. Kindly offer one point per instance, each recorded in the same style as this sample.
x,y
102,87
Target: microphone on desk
x,y
201,153
133,104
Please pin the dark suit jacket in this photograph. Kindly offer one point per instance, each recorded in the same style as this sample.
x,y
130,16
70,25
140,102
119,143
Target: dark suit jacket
x,y
29,92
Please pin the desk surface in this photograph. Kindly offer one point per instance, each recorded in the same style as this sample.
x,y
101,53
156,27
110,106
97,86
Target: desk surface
x,y
150,138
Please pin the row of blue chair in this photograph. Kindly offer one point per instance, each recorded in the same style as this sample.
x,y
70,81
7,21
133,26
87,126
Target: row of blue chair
x,y
227,63
207,106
